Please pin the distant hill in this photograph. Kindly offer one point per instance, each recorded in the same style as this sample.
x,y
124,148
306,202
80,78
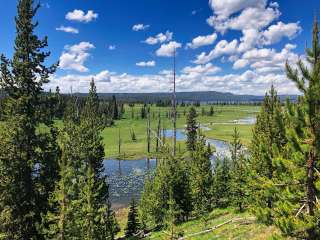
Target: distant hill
x,y
209,96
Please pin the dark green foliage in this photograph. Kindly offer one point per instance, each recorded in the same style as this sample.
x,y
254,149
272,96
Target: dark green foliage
x,y
114,108
158,139
203,111
171,177
211,112
171,219
94,193
268,138
59,108
22,148
191,129
61,221
201,178
80,203
239,175
143,112
133,224
221,186
297,213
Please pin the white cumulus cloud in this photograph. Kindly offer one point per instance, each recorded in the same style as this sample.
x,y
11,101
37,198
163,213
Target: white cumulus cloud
x,y
223,9
74,57
202,41
223,47
206,69
81,16
167,50
276,32
159,38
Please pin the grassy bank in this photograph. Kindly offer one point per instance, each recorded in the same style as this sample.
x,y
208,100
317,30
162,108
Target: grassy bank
x,y
242,226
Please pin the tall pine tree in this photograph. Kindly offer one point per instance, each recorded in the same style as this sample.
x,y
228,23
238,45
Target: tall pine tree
x,y
268,135
94,195
298,212
192,129
239,173
20,144
201,178
133,224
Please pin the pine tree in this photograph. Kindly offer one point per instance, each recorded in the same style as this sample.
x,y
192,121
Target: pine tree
x,y
171,176
62,221
191,129
203,111
268,135
236,145
158,133
211,112
201,178
81,206
150,213
221,187
239,173
59,106
133,224
115,110
143,112
22,79
298,211
94,194
171,219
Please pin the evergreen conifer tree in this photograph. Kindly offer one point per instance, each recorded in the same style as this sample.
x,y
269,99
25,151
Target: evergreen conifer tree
x,y
133,224
115,110
239,173
201,178
268,135
172,176
191,129
221,187
298,211
21,147
95,193
62,222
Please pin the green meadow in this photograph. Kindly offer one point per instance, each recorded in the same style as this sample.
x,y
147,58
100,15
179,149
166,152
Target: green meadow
x,y
219,126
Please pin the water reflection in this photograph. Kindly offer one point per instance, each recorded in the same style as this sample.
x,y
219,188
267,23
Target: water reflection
x,y
126,177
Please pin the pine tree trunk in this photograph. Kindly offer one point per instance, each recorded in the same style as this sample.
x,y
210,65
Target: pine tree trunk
x,y
311,196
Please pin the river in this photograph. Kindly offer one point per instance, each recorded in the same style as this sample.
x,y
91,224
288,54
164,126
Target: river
x,y
126,177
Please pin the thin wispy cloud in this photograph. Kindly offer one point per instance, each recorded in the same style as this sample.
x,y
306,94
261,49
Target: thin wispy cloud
x,y
146,64
68,29
140,27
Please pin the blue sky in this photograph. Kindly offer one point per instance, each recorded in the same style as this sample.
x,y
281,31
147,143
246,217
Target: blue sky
x,y
237,46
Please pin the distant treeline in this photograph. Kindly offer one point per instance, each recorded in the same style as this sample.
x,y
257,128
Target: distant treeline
x,y
203,97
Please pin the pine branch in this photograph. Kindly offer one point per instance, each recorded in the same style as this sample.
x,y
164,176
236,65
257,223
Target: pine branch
x,y
294,76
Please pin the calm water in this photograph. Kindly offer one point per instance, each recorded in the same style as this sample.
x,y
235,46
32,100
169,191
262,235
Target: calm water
x,y
126,177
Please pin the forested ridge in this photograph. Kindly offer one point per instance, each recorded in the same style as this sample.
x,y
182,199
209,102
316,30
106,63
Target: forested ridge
x,y
52,180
